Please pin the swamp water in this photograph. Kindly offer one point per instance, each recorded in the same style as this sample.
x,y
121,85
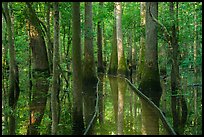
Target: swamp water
x,y
120,110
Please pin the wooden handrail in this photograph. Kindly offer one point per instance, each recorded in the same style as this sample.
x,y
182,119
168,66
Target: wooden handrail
x,y
158,111
167,126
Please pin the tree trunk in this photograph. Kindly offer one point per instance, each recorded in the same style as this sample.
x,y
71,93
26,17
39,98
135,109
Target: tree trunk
x,y
142,41
49,43
14,89
195,44
134,50
174,74
99,41
150,81
40,71
89,73
54,93
105,58
30,79
5,68
179,109
122,66
78,124
114,55
130,61
69,42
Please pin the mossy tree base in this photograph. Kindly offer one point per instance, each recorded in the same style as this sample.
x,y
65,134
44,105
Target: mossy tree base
x,y
113,63
112,71
78,123
100,69
150,85
90,81
122,67
123,72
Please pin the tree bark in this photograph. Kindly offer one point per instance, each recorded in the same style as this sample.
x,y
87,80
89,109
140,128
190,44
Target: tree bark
x,y
122,65
14,89
134,50
130,61
40,71
150,81
114,55
78,124
99,41
54,93
104,47
195,44
179,109
89,73
5,78
142,40
49,43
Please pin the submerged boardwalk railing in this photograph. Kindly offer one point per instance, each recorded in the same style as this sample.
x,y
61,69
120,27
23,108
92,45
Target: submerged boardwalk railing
x,y
167,126
169,129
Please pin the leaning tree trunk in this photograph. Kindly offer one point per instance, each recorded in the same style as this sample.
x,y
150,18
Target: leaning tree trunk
x,y
40,71
49,43
78,124
14,89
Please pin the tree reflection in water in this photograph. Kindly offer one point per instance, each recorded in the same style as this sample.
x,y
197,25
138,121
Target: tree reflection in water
x,y
116,109
150,120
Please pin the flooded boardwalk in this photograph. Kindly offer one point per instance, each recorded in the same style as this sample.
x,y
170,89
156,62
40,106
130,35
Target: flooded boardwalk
x,y
122,111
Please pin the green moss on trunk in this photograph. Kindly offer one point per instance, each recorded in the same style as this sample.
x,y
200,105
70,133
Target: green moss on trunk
x,y
113,64
122,67
89,73
114,55
150,85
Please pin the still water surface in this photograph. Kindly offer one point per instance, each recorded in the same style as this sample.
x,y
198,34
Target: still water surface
x,y
122,112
